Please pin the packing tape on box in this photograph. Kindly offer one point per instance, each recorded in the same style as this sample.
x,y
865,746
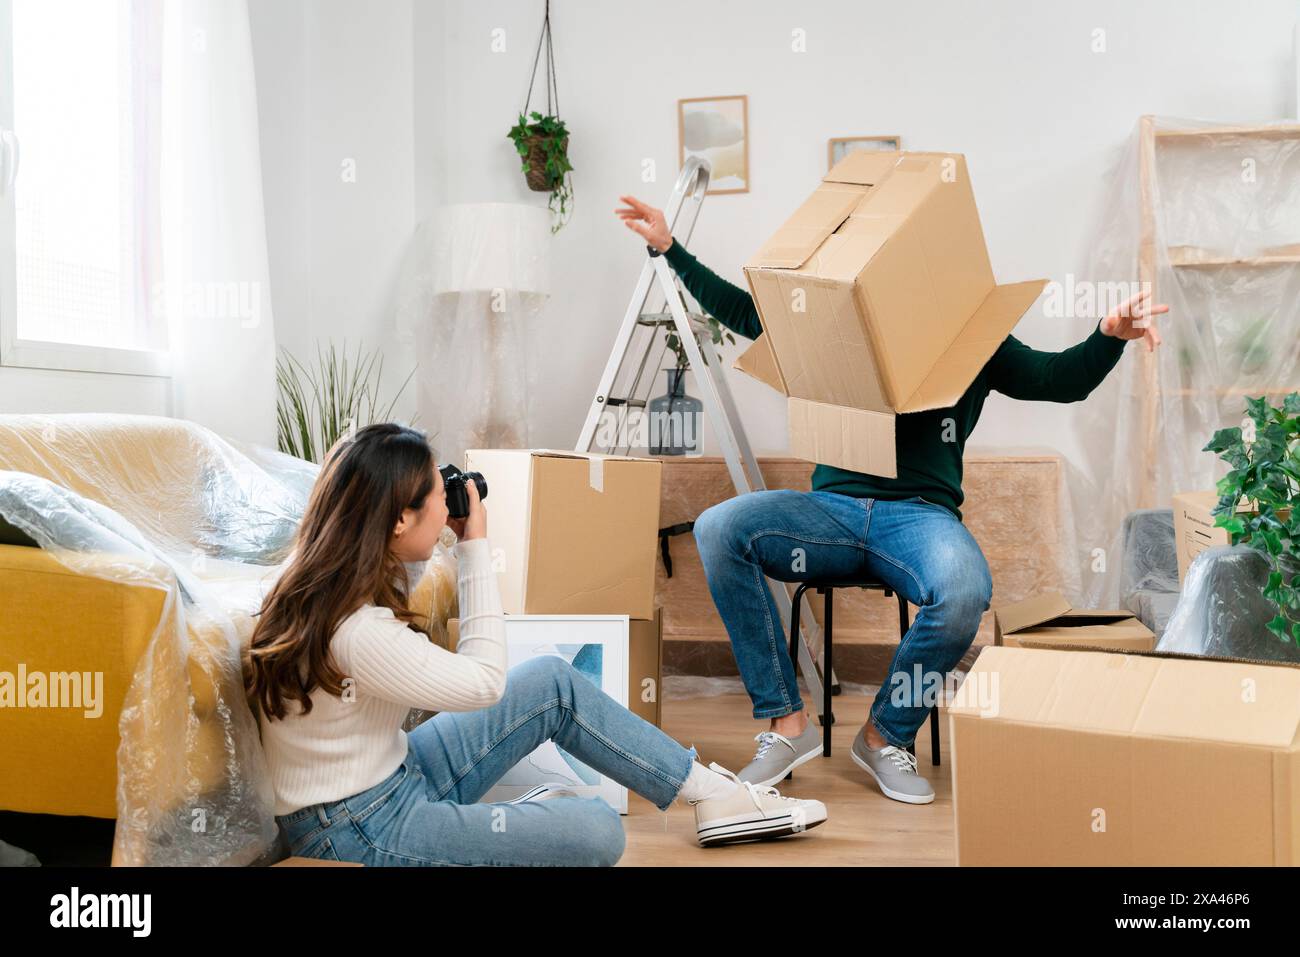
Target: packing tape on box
x,y
596,472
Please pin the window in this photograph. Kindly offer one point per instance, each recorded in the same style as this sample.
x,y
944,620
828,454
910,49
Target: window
x,y
80,224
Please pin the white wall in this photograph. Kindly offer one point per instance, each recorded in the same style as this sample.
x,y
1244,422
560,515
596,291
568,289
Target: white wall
x,y
412,89
335,94
1012,84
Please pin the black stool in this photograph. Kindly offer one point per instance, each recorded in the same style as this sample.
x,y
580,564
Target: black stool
x,y
827,587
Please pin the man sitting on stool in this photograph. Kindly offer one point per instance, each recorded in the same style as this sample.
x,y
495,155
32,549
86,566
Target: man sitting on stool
x,y
905,531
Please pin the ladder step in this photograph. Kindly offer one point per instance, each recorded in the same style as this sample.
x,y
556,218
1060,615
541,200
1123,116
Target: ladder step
x,y
666,318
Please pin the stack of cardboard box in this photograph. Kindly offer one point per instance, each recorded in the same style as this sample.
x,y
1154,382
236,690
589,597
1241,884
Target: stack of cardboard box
x,y
577,534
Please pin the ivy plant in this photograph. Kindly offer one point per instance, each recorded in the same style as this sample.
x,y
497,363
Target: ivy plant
x,y
1263,457
550,133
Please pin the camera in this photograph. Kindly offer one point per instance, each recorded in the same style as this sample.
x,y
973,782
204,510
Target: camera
x,y
457,498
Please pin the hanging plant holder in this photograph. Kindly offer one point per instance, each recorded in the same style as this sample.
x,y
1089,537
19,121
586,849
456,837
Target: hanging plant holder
x,y
542,139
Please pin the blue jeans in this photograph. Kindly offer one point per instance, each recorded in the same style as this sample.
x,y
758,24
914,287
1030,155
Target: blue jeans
x,y
425,813
919,549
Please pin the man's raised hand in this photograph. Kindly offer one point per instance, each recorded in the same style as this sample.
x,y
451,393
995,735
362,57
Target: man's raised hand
x,y
647,222
1131,320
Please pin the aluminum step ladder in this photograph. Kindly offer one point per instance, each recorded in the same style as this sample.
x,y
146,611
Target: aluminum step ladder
x,y
657,305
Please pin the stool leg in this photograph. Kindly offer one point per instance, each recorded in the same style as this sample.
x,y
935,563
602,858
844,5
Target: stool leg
x,y
794,638
827,670
794,626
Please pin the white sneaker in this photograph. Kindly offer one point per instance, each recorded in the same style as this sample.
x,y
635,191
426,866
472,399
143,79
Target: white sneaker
x,y
752,813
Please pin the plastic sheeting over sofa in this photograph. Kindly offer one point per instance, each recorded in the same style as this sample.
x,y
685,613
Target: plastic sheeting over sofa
x,y
159,503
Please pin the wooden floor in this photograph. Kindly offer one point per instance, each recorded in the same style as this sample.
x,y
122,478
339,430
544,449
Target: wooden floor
x,y
863,827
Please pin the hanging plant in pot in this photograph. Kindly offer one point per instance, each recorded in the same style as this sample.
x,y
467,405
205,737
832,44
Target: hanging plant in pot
x,y
542,139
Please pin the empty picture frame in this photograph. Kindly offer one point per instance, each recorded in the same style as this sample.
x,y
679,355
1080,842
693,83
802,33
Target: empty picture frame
x,y
842,146
717,129
597,647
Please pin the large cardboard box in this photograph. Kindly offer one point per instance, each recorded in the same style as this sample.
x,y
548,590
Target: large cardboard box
x,y
645,667
645,663
1048,619
1194,530
877,297
572,533
1120,759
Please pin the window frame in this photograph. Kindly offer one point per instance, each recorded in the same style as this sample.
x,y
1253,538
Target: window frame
x,y
38,353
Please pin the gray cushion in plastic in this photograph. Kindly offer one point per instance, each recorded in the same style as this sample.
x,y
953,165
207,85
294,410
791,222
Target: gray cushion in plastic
x,y
1223,613
1148,584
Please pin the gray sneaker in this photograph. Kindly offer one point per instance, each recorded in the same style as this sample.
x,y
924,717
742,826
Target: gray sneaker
x,y
778,755
894,770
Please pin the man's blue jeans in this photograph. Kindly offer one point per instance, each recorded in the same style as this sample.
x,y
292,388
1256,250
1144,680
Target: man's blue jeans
x,y
919,549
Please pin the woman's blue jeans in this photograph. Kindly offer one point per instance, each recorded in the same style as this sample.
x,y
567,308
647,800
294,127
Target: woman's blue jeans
x,y
425,813
919,549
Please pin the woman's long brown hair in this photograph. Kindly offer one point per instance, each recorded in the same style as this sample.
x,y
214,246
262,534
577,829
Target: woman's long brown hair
x,y
341,561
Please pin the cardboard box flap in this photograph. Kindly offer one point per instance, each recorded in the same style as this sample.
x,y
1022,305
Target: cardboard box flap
x,y
1153,696
855,439
1032,611
975,344
566,454
759,362
798,238
863,168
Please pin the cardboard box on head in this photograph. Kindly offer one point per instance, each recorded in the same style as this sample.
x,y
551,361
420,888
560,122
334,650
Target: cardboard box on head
x,y
877,297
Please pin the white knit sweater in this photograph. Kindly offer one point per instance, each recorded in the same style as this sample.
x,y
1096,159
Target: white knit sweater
x,y
346,745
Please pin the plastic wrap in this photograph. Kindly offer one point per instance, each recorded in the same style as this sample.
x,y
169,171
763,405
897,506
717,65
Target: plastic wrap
x,y
1222,612
1149,574
470,295
1224,253
166,504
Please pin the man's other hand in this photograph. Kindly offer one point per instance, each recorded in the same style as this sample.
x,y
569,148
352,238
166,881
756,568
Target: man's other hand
x,y
1132,320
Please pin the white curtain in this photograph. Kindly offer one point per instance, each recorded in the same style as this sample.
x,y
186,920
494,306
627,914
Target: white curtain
x,y
215,284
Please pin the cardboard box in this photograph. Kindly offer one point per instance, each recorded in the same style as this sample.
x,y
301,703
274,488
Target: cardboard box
x,y
1118,759
1048,619
574,533
1194,529
645,667
877,297
644,663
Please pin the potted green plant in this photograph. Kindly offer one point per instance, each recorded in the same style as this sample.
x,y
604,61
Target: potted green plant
x,y
542,139
675,416
316,406
716,332
1264,472
543,148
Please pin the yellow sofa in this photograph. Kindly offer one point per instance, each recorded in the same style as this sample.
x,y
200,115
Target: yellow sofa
x,y
57,760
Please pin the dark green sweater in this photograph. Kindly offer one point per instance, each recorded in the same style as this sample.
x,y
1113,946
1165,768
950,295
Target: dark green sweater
x,y
929,444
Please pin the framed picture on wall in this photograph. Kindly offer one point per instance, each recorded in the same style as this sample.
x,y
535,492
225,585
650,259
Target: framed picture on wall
x,y
717,129
842,146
